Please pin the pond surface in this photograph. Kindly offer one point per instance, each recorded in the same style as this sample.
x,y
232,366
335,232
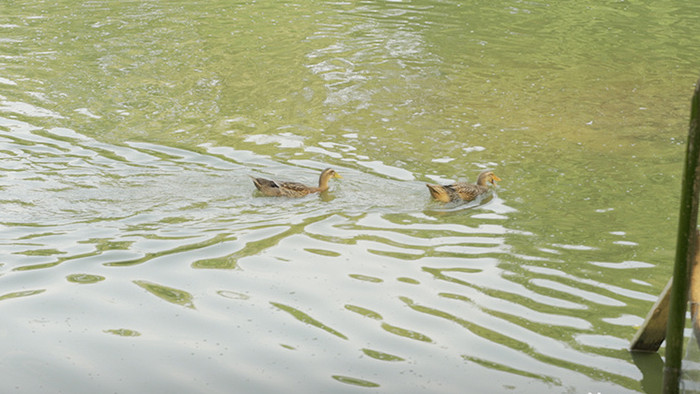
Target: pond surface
x,y
137,256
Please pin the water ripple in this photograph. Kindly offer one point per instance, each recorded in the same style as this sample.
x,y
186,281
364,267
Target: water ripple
x,y
397,284
129,221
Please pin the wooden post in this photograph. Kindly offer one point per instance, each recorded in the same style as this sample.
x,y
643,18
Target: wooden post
x,y
653,331
687,223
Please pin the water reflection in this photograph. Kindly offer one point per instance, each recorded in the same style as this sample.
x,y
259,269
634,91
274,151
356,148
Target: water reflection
x,y
175,296
123,332
19,294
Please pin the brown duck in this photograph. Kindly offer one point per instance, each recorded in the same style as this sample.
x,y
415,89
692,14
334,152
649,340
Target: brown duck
x,y
294,189
463,191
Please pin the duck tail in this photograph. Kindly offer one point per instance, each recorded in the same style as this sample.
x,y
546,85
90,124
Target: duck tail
x,y
261,183
256,181
438,192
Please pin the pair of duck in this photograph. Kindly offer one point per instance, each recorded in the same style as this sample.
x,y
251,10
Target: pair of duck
x,y
460,191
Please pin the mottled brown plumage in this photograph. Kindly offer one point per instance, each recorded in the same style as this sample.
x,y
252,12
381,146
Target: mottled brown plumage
x,y
463,191
294,189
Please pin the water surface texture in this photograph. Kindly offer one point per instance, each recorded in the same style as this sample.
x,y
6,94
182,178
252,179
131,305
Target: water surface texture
x,y
137,257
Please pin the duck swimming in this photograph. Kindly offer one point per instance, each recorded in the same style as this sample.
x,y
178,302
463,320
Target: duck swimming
x,y
294,189
463,191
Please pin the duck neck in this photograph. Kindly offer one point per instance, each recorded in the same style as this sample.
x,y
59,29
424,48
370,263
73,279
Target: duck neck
x,y
482,180
323,182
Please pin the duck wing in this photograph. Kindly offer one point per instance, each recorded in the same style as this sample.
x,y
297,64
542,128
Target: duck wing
x,y
273,188
294,189
468,191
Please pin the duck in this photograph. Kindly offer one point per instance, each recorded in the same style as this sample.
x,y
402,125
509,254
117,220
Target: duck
x,y
463,191
294,189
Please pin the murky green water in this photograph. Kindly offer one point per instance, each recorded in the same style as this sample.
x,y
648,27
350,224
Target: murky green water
x,y
137,257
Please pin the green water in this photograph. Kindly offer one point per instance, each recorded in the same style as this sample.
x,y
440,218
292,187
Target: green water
x,y
136,255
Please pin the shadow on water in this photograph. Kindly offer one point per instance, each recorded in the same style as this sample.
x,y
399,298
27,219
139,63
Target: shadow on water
x,y
650,365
